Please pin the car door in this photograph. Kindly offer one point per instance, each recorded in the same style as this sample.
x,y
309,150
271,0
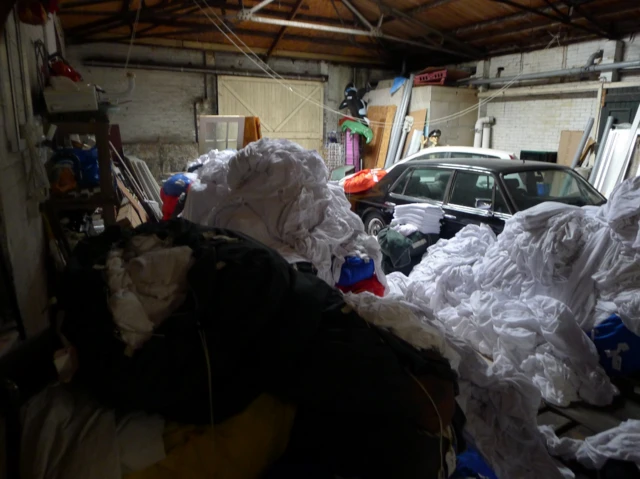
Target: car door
x,y
474,198
421,184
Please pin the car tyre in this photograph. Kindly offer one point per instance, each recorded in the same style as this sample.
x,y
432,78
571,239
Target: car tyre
x,y
373,223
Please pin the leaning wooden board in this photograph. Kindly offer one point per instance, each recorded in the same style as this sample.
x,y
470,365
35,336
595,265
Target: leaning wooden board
x,y
381,118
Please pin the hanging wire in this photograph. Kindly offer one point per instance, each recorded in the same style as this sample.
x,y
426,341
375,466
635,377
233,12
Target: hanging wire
x,y
133,36
255,59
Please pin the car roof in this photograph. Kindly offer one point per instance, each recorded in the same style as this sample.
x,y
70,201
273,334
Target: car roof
x,y
461,149
495,165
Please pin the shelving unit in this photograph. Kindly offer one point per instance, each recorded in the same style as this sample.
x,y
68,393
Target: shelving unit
x,y
106,198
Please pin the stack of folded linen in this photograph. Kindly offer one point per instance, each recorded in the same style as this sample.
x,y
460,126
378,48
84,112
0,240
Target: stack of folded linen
x,y
425,217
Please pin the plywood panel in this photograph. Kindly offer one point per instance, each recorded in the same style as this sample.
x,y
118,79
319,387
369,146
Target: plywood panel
x,y
293,114
376,151
569,143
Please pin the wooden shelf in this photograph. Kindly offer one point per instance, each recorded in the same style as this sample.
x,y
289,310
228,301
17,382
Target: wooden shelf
x,y
106,199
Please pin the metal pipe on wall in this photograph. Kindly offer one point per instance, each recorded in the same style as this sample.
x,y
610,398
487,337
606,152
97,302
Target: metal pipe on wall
x,y
583,142
486,135
398,122
556,73
478,128
192,69
603,143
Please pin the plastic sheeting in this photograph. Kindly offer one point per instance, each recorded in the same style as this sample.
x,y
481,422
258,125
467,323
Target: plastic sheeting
x,y
277,192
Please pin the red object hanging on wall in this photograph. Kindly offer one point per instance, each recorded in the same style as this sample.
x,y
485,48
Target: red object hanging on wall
x,y
60,68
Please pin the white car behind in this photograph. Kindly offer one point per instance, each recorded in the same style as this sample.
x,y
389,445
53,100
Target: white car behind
x,y
441,152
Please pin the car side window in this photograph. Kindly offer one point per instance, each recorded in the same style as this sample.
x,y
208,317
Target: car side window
x,y
399,187
473,190
424,183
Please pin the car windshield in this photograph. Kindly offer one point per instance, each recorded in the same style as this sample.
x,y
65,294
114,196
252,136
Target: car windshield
x,y
529,188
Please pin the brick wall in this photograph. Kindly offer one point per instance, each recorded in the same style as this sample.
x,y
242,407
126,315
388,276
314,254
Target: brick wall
x,y
158,125
534,122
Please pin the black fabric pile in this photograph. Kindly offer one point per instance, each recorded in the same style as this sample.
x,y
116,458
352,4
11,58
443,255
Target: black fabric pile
x,y
401,253
267,327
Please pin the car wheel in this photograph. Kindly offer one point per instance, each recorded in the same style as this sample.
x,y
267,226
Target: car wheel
x,y
373,223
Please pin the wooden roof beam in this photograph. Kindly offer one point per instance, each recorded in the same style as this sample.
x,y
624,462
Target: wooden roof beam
x,y
574,6
280,35
562,19
545,25
466,50
419,9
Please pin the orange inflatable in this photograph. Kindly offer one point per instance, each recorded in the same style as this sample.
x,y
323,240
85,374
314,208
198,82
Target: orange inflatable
x,y
363,180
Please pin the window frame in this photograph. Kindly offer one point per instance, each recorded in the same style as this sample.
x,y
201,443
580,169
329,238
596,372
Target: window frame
x,y
497,187
409,171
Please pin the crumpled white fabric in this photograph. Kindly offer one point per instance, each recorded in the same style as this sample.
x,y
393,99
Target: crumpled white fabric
x,y
500,403
525,299
66,434
277,192
147,281
619,443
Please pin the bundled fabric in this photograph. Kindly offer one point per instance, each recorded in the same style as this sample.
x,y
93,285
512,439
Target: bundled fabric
x,y
620,443
277,192
370,285
171,191
527,299
253,324
402,252
363,180
66,433
423,216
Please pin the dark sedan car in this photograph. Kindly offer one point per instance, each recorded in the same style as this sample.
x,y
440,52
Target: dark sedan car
x,y
471,191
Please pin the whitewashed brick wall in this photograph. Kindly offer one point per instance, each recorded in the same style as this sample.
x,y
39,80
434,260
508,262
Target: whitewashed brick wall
x,y
535,124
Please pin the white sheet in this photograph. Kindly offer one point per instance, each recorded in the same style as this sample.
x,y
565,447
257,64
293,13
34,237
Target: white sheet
x,y
67,435
277,192
620,443
525,299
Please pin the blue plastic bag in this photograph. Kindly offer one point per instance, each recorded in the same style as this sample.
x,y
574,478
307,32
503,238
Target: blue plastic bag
x,y
618,347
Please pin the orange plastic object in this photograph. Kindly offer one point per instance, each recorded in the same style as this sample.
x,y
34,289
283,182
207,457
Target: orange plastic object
x,y
363,180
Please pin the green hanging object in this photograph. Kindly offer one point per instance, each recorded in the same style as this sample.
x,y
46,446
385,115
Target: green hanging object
x,y
359,128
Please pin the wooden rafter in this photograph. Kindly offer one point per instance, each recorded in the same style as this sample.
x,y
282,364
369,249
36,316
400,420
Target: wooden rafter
x,y
464,49
542,12
577,8
542,25
419,9
280,35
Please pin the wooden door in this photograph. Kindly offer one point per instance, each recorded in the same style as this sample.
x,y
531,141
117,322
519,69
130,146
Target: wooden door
x,y
294,115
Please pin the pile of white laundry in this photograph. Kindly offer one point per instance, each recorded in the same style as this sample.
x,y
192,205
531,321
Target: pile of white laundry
x,y
277,192
525,300
421,216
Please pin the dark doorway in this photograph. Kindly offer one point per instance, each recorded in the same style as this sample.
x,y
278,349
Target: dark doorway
x,y
622,104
